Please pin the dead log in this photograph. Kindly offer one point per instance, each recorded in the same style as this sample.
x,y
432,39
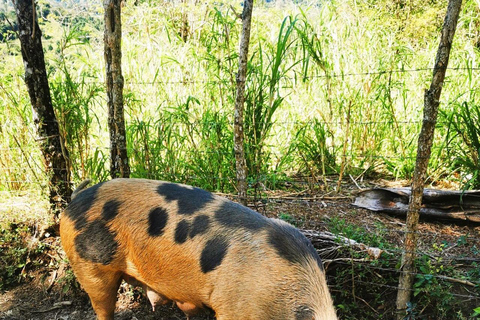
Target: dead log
x,y
436,204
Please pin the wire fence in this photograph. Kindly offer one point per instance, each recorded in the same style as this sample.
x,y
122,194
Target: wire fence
x,y
300,76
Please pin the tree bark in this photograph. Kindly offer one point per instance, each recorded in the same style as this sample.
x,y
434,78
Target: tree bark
x,y
431,101
240,163
55,155
119,166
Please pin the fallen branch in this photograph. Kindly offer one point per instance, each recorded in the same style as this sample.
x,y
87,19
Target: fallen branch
x,y
56,305
329,244
464,282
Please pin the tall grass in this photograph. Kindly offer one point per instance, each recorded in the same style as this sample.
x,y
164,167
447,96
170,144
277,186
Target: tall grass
x,y
463,124
332,88
267,69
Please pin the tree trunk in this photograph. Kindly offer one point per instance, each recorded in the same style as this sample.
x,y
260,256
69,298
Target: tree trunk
x,y
119,166
431,101
48,134
241,166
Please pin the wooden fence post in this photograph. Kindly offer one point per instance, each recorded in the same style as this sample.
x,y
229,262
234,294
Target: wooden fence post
x,y
425,140
119,166
241,166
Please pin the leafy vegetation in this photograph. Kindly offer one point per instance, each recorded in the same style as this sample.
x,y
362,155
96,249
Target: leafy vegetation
x,y
15,254
463,125
331,87
358,281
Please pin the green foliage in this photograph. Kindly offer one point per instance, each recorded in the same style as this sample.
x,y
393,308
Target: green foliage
x,y
411,311
311,144
262,99
351,70
15,254
212,161
8,30
158,147
288,218
180,147
476,313
463,128
356,286
340,76
352,231
73,99
68,282
432,293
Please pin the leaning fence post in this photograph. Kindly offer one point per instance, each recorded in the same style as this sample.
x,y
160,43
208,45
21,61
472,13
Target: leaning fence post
x,y
241,167
431,103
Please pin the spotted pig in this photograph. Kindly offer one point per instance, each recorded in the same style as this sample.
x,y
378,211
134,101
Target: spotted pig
x,y
199,250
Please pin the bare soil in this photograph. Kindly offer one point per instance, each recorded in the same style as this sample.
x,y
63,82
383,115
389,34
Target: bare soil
x,y
45,295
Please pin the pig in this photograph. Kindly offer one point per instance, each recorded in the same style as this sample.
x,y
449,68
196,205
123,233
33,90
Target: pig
x,y
189,246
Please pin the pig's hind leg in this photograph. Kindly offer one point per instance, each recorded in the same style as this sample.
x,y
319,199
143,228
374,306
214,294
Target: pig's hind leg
x,y
101,286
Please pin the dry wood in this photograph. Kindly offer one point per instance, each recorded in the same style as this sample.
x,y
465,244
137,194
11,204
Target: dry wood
x,y
431,103
436,204
329,244
464,282
56,305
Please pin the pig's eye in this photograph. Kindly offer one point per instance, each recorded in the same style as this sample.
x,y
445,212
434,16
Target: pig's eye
x,y
304,313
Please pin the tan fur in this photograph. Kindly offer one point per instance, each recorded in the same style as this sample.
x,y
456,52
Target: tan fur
x,y
252,282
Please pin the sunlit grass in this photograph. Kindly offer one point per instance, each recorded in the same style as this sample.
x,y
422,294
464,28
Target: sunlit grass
x,y
353,70
26,207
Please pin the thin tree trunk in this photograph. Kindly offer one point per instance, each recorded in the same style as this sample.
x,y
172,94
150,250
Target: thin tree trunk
x,y
48,133
119,166
345,146
432,101
241,167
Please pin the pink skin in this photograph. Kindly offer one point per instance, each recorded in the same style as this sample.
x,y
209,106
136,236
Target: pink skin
x,y
188,308
157,299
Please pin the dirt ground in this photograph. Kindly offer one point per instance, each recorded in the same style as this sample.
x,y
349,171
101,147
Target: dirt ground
x,y
45,297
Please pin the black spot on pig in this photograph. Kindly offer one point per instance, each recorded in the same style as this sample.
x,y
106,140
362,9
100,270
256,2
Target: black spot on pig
x,y
181,231
200,225
235,216
189,200
157,220
291,244
96,243
110,210
79,206
213,253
